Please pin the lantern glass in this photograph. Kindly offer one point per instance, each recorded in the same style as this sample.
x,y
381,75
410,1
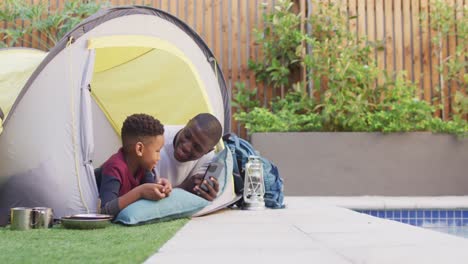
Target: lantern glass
x,y
254,188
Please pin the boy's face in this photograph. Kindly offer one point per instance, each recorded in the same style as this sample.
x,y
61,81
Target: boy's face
x,y
150,153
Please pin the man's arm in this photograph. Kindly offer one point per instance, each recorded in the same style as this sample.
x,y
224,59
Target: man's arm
x,y
195,175
202,164
192,184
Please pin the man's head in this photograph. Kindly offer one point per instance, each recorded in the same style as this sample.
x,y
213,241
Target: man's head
x,y
197,138
142,138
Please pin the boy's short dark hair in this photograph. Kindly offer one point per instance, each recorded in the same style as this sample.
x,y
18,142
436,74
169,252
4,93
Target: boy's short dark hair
x,y
138,126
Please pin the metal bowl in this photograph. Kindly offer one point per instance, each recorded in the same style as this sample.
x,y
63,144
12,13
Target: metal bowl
x,y
91,216
77,223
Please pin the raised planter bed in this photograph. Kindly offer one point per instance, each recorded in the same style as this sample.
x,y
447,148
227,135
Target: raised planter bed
x,y
342,163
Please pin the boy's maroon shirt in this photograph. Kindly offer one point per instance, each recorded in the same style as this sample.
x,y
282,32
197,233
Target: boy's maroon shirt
x,y
116,167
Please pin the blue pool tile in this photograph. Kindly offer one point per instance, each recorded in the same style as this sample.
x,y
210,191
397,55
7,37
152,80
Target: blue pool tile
x,y
426,223
443,213
465,221
440,218
404,214
420,214
442,222
427,214
397,214
465,213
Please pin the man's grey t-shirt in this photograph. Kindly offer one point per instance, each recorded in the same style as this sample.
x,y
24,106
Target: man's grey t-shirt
x,y
176,172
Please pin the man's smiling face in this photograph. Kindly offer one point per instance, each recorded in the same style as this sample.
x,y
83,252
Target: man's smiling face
x,y
191,143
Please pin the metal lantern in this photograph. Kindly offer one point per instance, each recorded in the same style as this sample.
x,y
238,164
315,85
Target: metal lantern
x,y
254,188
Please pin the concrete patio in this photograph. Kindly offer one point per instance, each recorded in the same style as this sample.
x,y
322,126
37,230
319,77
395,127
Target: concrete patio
x,y
310,230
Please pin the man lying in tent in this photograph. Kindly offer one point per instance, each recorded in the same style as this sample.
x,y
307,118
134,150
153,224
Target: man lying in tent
x,y
127,175
187,152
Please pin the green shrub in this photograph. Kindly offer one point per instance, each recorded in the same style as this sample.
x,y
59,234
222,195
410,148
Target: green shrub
x,y
53,25
282,50
346,96
293,113
444,24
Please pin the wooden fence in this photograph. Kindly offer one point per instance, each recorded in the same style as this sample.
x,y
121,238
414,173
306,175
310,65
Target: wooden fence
x,y
227,27
407,42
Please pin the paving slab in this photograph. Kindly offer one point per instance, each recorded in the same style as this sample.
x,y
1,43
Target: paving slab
x,y
309,230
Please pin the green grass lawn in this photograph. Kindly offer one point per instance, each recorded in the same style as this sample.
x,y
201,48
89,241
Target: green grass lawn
x,y
114,244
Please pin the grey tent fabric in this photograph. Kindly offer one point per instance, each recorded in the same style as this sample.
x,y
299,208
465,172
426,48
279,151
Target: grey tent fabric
x,y
56,132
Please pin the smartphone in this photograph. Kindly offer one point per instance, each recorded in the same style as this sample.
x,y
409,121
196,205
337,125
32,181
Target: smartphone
x,y
213,170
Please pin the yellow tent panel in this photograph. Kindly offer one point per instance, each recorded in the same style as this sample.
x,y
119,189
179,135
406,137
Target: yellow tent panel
x,y
115,56
163,79
142,65
16,66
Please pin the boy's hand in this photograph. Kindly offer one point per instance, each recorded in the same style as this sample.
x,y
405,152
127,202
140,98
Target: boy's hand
x,y
152,191
166,185
212,192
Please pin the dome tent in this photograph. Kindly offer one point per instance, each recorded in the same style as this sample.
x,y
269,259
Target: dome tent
x,y
66,119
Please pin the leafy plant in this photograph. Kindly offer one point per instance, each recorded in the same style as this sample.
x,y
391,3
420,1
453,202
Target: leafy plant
x,y
400,110
243,98
53,25
281,42
445,24
295,112
346,96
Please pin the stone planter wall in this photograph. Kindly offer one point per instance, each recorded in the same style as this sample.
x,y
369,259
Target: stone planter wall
x,y
343,164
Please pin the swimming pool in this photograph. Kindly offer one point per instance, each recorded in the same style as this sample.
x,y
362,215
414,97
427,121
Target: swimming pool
x,y
451,221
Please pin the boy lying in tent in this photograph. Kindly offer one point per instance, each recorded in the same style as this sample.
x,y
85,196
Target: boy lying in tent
x,y
127,175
